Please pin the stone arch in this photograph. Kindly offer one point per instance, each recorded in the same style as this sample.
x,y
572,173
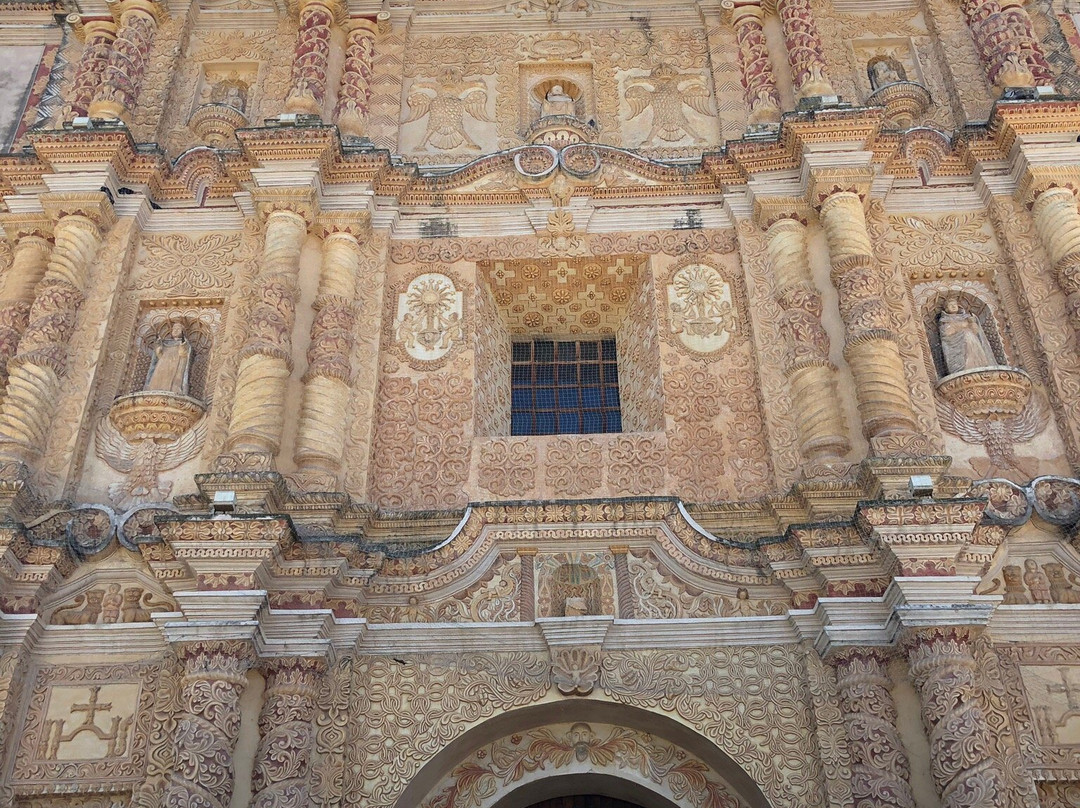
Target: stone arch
x,y
558,748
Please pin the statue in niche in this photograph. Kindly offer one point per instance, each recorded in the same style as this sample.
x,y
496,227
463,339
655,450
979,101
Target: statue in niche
x,y
886,71
964,345
557,102
170,365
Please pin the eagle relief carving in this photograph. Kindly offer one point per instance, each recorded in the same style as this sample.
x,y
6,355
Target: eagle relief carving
x,y
666,91
446,102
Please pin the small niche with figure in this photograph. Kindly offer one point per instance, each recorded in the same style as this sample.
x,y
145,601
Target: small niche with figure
x,y
558,97
963,334
885,70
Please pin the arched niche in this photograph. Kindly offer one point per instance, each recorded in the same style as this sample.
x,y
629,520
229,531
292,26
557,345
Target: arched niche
x,y
575,739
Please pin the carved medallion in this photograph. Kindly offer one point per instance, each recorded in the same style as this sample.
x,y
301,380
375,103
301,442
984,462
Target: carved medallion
x,y
429,319
701,309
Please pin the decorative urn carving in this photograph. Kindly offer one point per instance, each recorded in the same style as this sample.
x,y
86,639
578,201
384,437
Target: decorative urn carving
x,y
216,123
155,415
904,102
987,394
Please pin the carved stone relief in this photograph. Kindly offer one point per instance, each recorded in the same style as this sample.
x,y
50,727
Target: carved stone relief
x,y
701,309
575,584
89,724
429,319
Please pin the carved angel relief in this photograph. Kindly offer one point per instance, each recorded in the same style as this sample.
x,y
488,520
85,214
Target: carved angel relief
x,y
666,91
446,102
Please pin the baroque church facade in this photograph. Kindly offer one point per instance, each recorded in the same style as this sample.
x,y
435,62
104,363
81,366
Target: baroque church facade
x,y
543,403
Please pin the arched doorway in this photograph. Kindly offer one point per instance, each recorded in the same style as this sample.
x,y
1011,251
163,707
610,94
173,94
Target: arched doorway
x,y
582,749
584,801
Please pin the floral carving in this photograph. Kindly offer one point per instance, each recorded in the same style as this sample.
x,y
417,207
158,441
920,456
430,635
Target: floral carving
x,y
180,265
636,465
508,467
573,466
959,240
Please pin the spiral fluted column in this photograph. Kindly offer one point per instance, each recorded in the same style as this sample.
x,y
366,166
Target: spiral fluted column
x,y
320,437
98,38
823,437
880,773
258,414
962,764
1007,44
286,735
31,257
1057,221
759,82
215,675
870,344
37,371
805,53
354,94
126,66
310,58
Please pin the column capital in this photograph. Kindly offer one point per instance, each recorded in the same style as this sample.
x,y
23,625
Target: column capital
x,y
335,8
300,201
357,26
769,211
216,654
18,226
355,224
830,183
1038,179
92,205
85,28
149,8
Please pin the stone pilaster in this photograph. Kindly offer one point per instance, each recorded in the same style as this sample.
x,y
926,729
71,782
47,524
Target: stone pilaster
x,y
320,437
130,54
354,94
37,371
805,53
33,242
1057,221
880,773
823,436
258,414
286,733
758,79
98,36
310,57
943,668
215,675
870,347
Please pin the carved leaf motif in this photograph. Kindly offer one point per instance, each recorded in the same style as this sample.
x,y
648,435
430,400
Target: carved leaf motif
x,y
185,266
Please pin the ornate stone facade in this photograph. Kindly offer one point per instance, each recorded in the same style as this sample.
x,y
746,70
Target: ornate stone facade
x,y
290,296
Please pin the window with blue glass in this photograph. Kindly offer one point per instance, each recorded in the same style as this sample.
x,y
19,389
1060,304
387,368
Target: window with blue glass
x,y
564,387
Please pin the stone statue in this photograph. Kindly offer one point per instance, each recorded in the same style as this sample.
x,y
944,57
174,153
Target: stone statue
x,y
884,72
557,102
963,342
171,363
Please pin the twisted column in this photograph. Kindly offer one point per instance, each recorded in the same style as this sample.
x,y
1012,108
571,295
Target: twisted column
x,y
215,675
37,371
31,256
805,53
310,58
759,82
124,70
879,766
1022,33
961,763
258,413
354,95
320,438
90,72
1057,221
286,734
870,344
823,437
